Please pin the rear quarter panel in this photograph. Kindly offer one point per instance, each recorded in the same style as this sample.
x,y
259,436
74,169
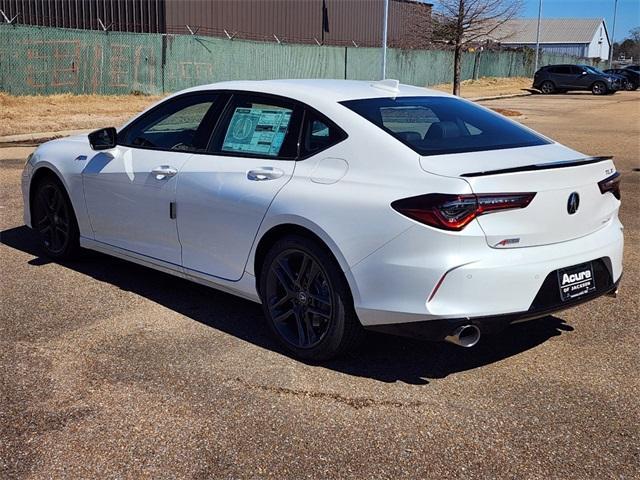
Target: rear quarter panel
x,y
351,210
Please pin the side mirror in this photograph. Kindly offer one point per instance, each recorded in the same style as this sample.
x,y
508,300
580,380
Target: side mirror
x,y
103,139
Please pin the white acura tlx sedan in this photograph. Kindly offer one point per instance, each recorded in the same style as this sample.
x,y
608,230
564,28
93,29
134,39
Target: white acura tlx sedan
x,y
340,205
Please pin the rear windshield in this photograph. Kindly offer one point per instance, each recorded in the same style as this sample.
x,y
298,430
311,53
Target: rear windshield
x,y
439,125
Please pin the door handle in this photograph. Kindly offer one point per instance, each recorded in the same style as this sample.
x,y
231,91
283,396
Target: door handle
x,y
264,173
164,171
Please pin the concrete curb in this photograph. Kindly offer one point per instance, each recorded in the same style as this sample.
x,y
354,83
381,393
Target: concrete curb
x,y
40,137
498,97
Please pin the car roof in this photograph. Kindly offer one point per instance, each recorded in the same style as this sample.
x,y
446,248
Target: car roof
x,y
323,90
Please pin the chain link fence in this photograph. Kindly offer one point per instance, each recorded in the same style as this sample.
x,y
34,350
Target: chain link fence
x,y
44,60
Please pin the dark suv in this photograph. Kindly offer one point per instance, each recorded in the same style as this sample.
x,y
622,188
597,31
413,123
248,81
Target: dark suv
x,y
562,78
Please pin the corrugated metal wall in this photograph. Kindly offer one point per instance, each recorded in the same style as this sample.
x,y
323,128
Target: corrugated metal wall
x,y
350,22
300,21
144,16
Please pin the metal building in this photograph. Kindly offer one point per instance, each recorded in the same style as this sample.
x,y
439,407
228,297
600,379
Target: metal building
x,y
146,16
582,37
330,22
348,22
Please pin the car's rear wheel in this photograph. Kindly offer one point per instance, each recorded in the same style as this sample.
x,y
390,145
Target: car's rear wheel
x,y
599,88
306,299
547,87
54,220
630,86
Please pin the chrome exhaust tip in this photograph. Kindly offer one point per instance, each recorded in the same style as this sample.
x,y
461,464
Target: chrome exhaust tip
x,y
464,336
613,293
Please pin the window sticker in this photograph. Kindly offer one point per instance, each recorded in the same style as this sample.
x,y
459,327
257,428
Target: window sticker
x,y
257,130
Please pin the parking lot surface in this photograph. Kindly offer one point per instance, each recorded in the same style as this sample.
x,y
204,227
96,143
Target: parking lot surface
x,y
109,369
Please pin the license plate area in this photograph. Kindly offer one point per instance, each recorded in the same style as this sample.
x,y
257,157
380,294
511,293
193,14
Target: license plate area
x,y
576,281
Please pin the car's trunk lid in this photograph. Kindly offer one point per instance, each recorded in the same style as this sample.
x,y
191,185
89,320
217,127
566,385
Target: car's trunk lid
x,y
557,180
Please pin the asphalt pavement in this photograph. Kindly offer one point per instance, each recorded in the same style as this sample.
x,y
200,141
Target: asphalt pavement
x,y
108,369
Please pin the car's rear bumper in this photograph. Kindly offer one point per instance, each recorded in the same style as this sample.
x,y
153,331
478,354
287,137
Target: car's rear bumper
x,y
438,329
418,278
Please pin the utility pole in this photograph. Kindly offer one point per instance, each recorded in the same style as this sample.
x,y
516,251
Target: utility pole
x,y
385,20
613,32
538,36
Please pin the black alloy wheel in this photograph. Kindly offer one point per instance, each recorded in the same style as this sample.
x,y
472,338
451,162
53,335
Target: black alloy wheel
x,y
299,298
306,299
54,220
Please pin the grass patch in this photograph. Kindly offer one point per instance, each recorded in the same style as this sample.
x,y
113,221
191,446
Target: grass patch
x,y
51,113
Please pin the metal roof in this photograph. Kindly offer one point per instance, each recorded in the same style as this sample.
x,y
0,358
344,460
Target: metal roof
x,y
554,30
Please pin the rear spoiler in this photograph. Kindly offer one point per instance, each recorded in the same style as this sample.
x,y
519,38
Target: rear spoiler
x,y
541,166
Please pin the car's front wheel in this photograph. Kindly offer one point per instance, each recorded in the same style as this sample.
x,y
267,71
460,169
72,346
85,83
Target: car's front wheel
x,y
547,87
599,88
306,299
54,220
630,86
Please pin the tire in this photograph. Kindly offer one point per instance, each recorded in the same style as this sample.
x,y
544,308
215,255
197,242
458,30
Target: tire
x,y
599,88
306,300
547,87
53,218
630,86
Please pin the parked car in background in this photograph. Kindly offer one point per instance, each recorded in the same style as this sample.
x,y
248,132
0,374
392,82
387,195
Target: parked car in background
x,y
631,77
562,78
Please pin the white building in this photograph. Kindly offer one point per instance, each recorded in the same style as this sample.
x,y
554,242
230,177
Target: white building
x,y
572,36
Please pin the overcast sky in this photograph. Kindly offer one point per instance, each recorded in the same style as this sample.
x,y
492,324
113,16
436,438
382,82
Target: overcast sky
x,y
627,18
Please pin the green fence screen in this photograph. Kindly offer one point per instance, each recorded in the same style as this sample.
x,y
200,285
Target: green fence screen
x,y
39,60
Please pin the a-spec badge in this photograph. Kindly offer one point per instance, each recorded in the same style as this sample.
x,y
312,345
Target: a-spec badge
x,y
506,242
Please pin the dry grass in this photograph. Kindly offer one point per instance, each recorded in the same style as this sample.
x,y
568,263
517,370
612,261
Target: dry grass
x,y
488,86
50,113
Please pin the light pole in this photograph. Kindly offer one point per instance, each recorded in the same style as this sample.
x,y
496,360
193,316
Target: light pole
x,y
613,32
385,20
535,69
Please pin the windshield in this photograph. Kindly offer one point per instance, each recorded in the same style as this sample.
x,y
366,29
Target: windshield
x,y
593,70
439,125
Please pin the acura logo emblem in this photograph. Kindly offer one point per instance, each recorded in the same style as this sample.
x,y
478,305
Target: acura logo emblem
x,y
573,203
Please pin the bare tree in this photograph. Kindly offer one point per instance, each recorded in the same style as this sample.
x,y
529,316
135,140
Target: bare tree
x,y
462,22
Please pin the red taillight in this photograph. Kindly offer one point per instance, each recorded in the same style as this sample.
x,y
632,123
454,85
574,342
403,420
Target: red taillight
x,y
454,212
611,184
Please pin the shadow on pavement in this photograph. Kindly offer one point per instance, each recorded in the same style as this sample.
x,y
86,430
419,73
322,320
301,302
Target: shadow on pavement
x,y
382,357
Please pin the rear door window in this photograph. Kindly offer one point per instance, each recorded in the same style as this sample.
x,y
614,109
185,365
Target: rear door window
x,y
258,127
440,125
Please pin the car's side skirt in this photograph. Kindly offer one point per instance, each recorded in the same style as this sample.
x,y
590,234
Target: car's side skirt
x,y
245,287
